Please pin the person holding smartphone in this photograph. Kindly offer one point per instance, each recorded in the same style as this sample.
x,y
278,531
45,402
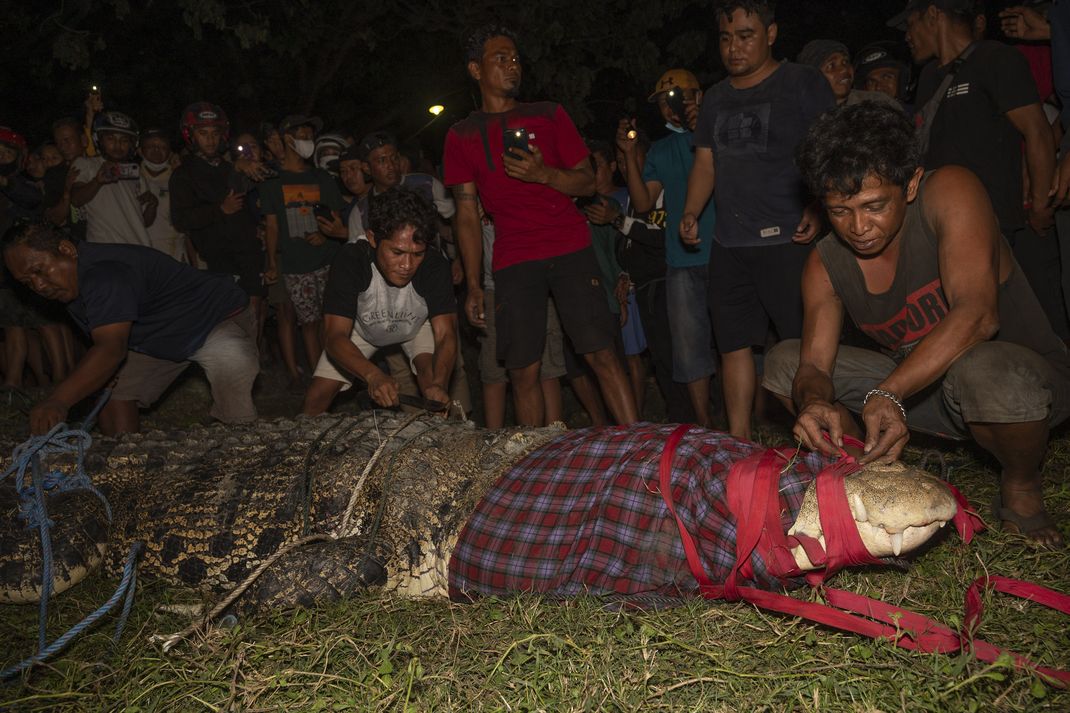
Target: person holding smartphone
x,y
663,178
526,162
301,242
107,185
208,200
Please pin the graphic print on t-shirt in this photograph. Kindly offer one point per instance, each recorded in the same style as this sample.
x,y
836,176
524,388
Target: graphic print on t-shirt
x,y
299,200
924,309
389,315
745,131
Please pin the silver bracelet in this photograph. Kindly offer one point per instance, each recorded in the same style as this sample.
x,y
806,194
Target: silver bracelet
x,y
888,395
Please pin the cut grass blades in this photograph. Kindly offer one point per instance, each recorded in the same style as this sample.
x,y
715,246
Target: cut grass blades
x,y
527,654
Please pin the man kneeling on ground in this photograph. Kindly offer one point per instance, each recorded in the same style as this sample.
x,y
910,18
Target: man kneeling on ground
x,y
918,262
388,290
143,308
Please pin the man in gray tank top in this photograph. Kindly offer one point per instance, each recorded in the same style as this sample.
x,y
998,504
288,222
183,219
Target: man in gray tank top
x,y
961,346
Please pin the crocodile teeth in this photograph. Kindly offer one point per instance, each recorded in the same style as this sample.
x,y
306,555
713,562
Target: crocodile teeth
x,y
858,508
897,543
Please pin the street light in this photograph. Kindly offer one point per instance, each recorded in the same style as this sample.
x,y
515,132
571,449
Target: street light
x,y
434,111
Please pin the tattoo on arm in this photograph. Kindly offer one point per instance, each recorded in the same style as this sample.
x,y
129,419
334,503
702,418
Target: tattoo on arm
x,y
460,194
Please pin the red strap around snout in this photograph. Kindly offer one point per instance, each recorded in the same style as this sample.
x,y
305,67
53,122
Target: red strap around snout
x,y
753,498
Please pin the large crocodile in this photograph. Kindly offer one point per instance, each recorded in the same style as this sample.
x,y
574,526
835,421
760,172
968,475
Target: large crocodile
x,y
211,504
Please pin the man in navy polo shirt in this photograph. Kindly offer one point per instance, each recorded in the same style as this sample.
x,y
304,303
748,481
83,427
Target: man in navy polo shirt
x,y
148,316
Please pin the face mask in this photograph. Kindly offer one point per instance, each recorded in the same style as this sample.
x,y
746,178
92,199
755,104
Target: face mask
x,y
153,166
8,169
673,127
304,147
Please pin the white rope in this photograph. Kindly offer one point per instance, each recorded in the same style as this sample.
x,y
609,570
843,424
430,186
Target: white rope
x,y
172,639
342,531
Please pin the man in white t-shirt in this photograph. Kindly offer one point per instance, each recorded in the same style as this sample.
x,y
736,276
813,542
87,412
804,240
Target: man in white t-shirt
x,y
388,290
156,168
109,185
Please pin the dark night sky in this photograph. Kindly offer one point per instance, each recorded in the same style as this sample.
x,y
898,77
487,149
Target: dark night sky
x,y
854,22
422,75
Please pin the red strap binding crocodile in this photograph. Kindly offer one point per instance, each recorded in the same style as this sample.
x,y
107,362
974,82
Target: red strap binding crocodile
x,y
752,497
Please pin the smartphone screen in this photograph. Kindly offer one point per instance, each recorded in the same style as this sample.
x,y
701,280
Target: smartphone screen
x,y
516,138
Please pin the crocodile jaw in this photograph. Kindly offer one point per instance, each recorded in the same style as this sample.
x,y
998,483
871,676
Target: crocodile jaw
x,y
896,509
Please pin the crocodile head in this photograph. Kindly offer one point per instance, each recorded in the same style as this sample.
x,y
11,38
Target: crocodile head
x,y
896,509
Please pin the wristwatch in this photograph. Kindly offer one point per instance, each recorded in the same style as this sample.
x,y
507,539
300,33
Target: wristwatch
x,y
618,222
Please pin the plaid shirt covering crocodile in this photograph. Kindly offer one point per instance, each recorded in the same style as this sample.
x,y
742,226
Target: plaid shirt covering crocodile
x,y
584,515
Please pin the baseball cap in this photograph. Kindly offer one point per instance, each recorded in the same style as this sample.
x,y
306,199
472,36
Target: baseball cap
x,y
817,51
155,132
295,120
965,8
373,141
875,56
115,122
351,153
674,78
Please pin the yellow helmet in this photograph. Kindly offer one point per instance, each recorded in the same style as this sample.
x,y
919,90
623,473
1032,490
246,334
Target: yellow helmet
x,y
681,78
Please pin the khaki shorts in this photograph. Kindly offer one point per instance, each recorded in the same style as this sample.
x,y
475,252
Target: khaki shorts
x,y
422,343
229,359
993,382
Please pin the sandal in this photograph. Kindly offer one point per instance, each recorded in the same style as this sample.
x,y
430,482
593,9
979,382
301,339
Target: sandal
x,y
1027,525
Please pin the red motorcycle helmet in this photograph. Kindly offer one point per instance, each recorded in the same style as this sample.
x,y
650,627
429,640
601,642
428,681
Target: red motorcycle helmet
x,y
203,114
13,139
16,141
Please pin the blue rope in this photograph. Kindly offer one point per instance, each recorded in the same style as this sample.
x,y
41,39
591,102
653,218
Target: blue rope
x,y
126,588
44,525
87,424
59,440
33,511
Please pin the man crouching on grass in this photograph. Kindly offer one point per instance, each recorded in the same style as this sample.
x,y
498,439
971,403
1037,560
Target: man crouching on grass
x,y
392,289
148,315
918,262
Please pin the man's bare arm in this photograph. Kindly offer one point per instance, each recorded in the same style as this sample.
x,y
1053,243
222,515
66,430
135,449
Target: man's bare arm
x,y
1033,125
529,167
271,248
644,194
812,390
82,193
91,374
434,382
700,186
340,348
470,243
958,209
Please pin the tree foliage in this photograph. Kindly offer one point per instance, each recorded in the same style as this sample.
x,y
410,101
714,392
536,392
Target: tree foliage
x,y
361,64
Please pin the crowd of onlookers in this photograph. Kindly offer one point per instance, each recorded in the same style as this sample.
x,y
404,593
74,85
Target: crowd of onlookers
x,y
697,246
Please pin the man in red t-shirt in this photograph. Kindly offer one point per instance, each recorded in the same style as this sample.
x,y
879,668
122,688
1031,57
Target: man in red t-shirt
x,y
543,243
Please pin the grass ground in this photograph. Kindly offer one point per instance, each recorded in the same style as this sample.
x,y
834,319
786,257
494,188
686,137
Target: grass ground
x,y
526,654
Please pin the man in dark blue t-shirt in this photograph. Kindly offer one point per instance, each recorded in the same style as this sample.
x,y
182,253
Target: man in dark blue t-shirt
x,y
745,141
143,308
